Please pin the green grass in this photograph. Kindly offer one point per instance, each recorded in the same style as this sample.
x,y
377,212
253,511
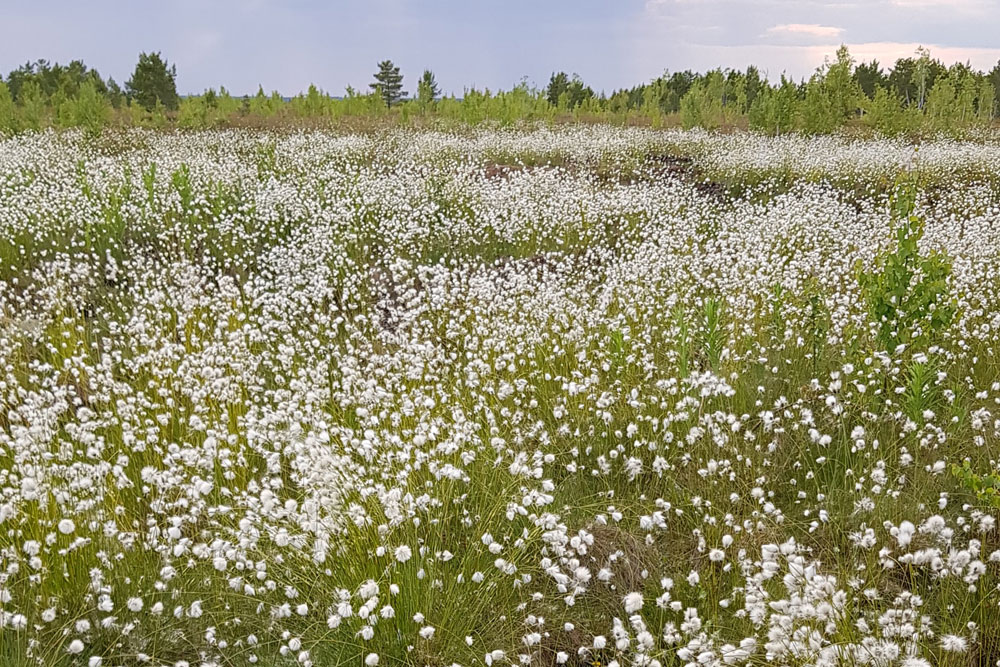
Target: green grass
x,y
247,388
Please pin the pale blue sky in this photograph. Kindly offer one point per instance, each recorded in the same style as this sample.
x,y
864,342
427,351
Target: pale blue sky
x,y
610,43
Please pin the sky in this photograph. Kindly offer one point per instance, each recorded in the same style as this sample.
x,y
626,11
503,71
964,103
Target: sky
x,y
286,45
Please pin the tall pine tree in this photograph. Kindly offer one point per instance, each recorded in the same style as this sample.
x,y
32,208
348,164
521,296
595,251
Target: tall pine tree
x,y
389,83
153,80
427,88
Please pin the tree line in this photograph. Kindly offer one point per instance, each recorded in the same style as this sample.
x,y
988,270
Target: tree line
x,y
41,94
915,95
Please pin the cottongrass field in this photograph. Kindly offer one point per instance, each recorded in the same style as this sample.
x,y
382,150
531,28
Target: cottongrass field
x,y
593,396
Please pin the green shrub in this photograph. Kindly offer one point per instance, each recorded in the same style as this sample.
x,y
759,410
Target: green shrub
x,y
774,110
8,118
31,107
703,105
906,292
986,487
818,113
885,114
89,109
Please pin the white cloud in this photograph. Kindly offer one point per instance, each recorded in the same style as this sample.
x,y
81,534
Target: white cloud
x,y
887,53
654,5
949,5
798,61
808,29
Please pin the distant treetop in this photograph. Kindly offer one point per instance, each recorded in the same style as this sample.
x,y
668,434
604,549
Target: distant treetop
x,y
389,83
153,81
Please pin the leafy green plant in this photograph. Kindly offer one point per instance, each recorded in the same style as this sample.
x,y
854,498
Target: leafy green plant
x,y
774,109
32,111
181,180
886,114
986,486
713,337
619,350
88,110
907,292
922,391
704,105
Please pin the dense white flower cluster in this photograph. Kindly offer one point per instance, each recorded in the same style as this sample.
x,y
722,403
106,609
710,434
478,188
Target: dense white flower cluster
x,y
502,397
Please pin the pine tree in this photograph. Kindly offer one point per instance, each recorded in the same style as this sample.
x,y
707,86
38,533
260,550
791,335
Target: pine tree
x,y
558,84
754,84
115,94
388,83
427,88
870,77
577,92
153,81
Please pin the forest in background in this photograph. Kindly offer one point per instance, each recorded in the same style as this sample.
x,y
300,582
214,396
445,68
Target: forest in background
x,y
917,95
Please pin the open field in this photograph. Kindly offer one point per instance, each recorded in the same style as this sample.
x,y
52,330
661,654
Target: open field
x,y
581,396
